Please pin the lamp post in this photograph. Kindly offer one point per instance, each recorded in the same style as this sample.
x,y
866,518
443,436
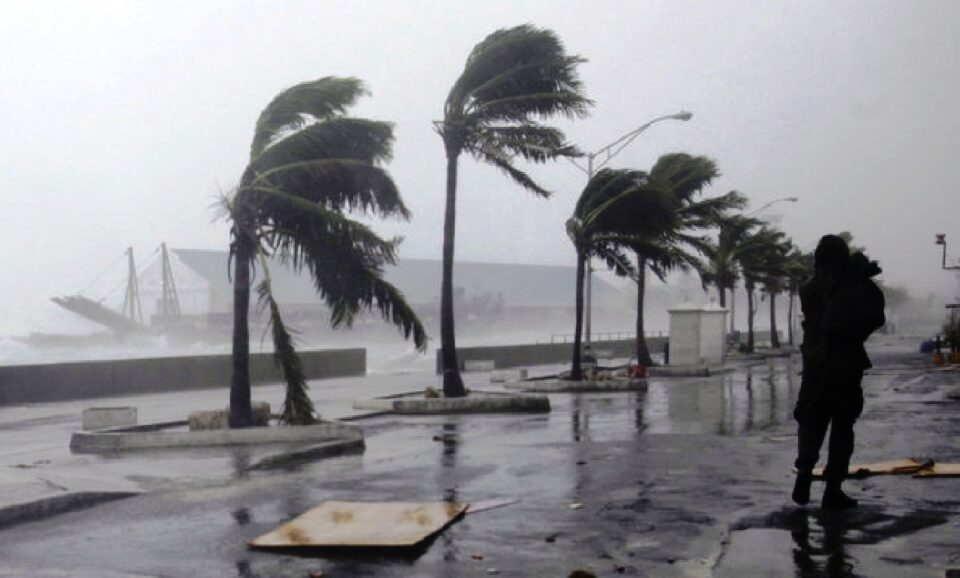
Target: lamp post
x,y
733,285
771,203
605,154
942,241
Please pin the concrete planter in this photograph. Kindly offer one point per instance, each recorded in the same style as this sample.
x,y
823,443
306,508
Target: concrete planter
x,y
158,436
475,402
583,386
95,418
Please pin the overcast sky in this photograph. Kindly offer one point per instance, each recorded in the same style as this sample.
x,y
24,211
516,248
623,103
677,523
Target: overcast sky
x,y
121,121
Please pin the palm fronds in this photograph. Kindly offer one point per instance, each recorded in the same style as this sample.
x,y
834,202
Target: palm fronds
x,y
297,409
296,106
310,165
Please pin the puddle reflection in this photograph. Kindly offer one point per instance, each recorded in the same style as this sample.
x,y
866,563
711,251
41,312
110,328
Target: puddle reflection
x,y
753,399
824,543
806,556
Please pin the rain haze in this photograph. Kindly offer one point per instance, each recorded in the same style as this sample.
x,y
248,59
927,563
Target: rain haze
x,y
123,122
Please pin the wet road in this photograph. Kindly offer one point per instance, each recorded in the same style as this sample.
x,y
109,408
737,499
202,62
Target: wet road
x,y
690,478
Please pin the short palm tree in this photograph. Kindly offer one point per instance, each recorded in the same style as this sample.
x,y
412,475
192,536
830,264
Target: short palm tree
x,y
722,269
309,163
511,78
758,258
799,268
775,279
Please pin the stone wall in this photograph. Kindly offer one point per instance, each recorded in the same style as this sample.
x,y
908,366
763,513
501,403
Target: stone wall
x,y
89,379
506,356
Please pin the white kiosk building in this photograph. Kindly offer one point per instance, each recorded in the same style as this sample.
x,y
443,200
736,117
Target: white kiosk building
x,y
697,334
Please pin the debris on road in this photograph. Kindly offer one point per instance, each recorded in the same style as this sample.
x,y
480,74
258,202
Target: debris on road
x,y
487,505
889,467
336,524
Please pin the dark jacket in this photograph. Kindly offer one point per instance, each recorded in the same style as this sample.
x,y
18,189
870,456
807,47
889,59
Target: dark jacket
x,y
840,312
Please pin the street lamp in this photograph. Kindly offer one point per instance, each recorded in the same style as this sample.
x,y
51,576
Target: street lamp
x,y
771,203
942,241
607,153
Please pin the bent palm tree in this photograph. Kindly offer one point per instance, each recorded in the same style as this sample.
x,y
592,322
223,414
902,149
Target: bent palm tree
x,y
722,255
758,258
512,77
775,276
676,243
617,209
799,268
308,164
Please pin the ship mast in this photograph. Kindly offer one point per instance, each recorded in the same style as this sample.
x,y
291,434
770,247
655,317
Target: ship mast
x,y
169,301
131,298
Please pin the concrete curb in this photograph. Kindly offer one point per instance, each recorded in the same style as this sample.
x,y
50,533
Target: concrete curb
x,y
151,436
585,386
475,402
312,453
55,505
688,370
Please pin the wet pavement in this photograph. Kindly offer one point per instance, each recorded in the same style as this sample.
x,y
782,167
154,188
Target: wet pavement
x,y
690,478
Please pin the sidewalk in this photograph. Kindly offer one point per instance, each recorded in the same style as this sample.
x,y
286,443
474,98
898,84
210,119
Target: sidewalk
x,y
36,463
690,478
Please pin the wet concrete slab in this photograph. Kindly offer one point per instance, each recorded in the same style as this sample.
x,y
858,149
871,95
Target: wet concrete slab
x,y
688,478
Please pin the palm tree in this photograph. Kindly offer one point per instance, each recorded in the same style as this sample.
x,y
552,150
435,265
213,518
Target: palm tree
x,y
776,270
799,268
511,78
756,257
676,243
612,199
308,164
722,268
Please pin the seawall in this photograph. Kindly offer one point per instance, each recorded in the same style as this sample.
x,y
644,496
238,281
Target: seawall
x,y
507,356
91,379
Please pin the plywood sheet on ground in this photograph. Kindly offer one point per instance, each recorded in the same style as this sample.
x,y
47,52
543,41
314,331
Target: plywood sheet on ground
x,y
335,524
940,471
890,467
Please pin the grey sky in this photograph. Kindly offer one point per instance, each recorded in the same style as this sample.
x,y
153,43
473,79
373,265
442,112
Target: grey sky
x,y
121,121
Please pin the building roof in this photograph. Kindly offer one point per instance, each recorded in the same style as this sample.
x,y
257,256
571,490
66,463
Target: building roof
x,y
419,279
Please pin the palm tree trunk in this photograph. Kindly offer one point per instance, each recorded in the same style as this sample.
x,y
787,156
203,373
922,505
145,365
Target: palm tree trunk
x,y
790,317
240,412
576,373
774,338
722,294
452,382
643,352
750,319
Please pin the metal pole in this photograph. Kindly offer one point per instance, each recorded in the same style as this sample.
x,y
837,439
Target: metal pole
x,y
733,304
609,151
588,285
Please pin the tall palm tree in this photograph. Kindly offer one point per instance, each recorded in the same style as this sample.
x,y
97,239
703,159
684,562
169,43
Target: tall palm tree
x,y
308,164
511,78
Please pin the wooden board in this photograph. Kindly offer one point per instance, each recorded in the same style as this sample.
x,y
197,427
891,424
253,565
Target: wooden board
x,y
890,467
940,471
336,524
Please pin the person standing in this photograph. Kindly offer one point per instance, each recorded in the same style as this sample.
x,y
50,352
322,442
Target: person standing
x,y
841,307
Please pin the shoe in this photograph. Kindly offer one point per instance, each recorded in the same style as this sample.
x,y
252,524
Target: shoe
x,y
835,499
801,488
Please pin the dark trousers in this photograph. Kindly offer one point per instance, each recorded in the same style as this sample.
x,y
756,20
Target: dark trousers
x,y
837,409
